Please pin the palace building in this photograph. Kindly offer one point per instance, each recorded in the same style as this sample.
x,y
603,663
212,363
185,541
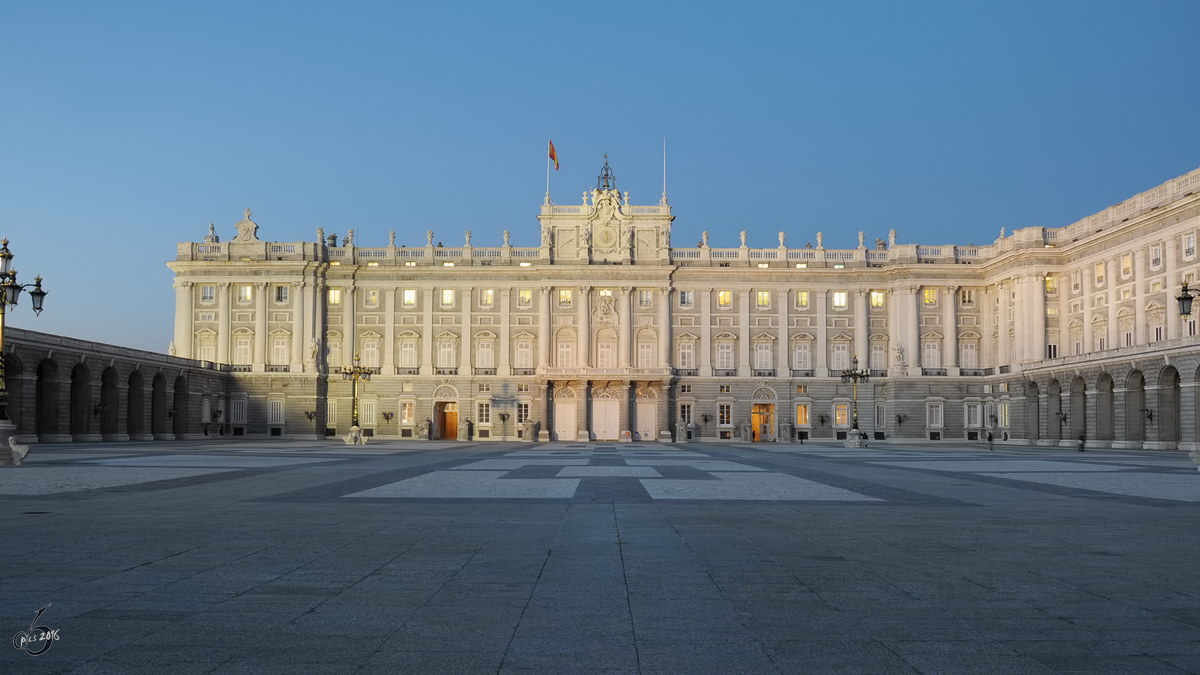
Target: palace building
x,y
610,331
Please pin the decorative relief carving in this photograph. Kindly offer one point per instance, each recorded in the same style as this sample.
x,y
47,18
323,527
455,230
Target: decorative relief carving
x,y
605,394
764,394
247,230
445,392
605,313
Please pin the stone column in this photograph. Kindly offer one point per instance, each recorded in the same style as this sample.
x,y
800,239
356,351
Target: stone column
x,y
862,329
664,331
544,403
896,334
314,306
584,328
427,331
783,358
183,319
1110,332
544,335
296,299
987,354
349,339
504,348
260,326
624,317
466,362
1172,322
744,334
821,348
389,331
1004,356
1140,336
1087,282
950,318
705,299
911,307
222,325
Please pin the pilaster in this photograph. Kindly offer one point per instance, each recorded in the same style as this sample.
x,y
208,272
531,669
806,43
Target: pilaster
x,y
260,326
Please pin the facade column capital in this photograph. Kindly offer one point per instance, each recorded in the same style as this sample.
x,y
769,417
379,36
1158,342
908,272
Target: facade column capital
x,y
297,285
223,285
260,285
546,289
184,284
665,290
585,289
626,290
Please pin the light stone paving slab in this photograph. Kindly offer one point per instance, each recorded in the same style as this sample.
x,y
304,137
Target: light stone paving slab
x,y
474,485
237,461
1181,487
701,464
56,456
44,480
979,466
752,486
608,472
510,464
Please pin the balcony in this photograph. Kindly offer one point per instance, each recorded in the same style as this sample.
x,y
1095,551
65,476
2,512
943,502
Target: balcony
x,y
1005,370
765,372
278,368
976,372
878,372
240,368
445,371
485,371
408,371
934,372
686,372
803,372
725,372
524,371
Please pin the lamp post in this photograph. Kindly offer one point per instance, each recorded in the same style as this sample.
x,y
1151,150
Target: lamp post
x,y
853,374
1185,298
355,374
10,292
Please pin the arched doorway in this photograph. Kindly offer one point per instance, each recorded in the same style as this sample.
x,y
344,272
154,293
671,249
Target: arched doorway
x,y
158,406
180,408
1135,405
1055,411
81,402
1078,408
135,422
445,413
1104,408
110,404
1033,416
47,402
1168,421
12,384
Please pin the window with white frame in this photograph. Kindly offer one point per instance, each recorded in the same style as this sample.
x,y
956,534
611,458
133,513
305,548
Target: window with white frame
x,y
409,297
406,412
1191,327
929,297
724,299
446,354
878,356
207,352
968,355
973,414
877,299
522,413
1051,284
485,354
241,351
370,353
841,414
1101,343
1189,245
604,355
645,297
1052,351
208,294
237,411
967,297
371,298
1158,333
366,413
724,414
447,297
841,356
565,352
525,297
244,293
645,355
763,356
801,299
274,411
524,354
1126,266
802,356
724,356
408,354
840,299
487,297
1002,414
762,299
330,413
484,413
279,351
932,354
334,355
281,295
685,413
1099,273
1128,337
1156,256
564,297
933,414
687,299
880,416
802,414
687,355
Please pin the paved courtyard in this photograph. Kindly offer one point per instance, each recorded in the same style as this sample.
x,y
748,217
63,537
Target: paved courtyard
x,y
297,557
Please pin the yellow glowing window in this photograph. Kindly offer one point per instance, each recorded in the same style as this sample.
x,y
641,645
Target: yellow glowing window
x,y
876,299
447,296
1051,285
802,298
485,297
564,296
410,297
764,298
839,299
724,298
802,414
335,296
930,296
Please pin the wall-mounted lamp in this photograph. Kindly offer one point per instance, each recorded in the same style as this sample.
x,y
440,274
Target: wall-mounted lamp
x,y
821,419
216,415
503,417
900,419
171,413
706,419
99,408
387,416
995,420
1148,415
310,415
1062,416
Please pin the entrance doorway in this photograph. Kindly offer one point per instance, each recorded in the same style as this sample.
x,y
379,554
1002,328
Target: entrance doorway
x,y
647,420
606,419
762,422
564,421
446,417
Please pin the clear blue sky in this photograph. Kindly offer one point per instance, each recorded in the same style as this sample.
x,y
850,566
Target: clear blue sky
x,y
126,128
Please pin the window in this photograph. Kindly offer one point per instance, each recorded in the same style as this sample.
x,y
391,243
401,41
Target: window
x,y
486,297
445,355
366,413
967,297
370,354
206,353
801,299
281,295
564,354
334,356
762,356
604,355
876,300
522,388
1099,273
645,297
524,354
802,356
973,413
763,299
878,356
685,413
933,414
406,412
241,351
724,414
1128,338
839,299
275,411
1191,327
522,413
929,297
802,414
1078,347
723,389
1189,245
330,412
969,356
1051,352
1126,265
685,388
372,297
1075,281
408,354
1156,256
933,355
725,356
485,414
841,356
802,389
725,299
447,297
880,416
841,415
335,296
525,297
237,411
485,387
564,297
1158,333
687,299
279,351
410,297
1156,287
1002,414
605,292
485,354
208,294
1101,343
687,355
645,352
1126,293
243,294
1051,284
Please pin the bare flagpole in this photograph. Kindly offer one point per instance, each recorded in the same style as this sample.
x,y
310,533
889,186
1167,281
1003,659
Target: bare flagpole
x,y
664,195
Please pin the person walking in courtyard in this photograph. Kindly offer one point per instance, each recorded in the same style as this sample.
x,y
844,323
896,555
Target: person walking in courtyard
x,y
1082,440
990,448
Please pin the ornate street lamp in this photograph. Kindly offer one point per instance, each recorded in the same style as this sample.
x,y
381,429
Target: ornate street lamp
x,y
853,374
10,292
355,374
1185,300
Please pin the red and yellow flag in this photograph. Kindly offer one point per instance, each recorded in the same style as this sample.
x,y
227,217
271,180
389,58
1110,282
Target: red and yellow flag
x,y
553,155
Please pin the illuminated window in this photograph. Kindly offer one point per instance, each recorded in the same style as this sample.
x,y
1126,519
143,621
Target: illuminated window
x,y
524,297
645,298
841,415
564,297
801,299
243,294
724,414
1156,287
839,299
410,297
335,296
725,299
1099,273
1051,284
447,296
802,414
876,299
208,294
485,297
406,412
1126,265
929,296
372,298
763,299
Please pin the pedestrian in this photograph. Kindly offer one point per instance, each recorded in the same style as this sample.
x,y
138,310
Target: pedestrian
x,y
1082,440
990,448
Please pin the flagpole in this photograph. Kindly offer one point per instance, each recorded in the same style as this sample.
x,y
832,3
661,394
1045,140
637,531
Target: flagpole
x,y
547,175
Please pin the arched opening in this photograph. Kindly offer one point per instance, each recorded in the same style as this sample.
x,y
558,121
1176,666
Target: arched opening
x,y
1104,408
47,401
1033,416
1078,414
1168,405
180,405
1135,407
1055,411
12,383
110,403
81,401
135,406
158,405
